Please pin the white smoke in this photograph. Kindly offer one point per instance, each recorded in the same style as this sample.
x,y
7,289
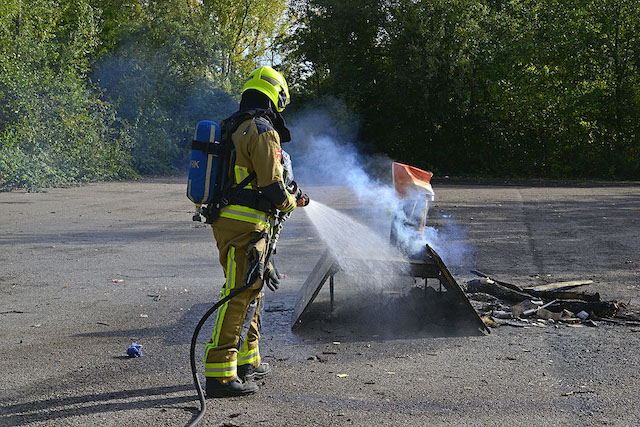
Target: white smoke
x,y
324,153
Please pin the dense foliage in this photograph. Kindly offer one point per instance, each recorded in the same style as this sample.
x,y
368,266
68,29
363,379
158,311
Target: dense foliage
x,y
544,88
96,89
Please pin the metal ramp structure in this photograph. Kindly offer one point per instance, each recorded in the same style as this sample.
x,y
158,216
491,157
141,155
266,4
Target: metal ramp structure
x,y
429,267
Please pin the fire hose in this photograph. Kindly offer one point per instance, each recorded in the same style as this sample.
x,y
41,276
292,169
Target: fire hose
x,y
272,249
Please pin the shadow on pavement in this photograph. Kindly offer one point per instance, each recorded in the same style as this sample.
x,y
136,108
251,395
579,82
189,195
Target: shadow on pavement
x,y
180,332
56,409
164,232
386,318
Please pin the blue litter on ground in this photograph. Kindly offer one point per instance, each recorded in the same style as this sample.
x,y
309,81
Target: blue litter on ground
x,y
135,350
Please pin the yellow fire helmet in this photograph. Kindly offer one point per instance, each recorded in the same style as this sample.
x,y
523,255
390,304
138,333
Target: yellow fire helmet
x,y
271,83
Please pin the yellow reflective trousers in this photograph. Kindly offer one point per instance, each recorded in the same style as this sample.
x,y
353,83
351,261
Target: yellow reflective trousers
x,y
234,341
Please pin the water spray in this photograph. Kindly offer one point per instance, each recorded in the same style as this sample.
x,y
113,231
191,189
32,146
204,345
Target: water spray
x,y
345,237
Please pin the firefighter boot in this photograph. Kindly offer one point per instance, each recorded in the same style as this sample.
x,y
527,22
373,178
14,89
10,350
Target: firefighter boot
x,y
235,387
251,373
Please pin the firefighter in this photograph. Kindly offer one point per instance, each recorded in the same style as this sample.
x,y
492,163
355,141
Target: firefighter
x,y
242,233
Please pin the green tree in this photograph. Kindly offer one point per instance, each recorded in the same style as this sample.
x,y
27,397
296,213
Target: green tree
x,y
178,63
570,91
405,67
508,88
53,128
95,89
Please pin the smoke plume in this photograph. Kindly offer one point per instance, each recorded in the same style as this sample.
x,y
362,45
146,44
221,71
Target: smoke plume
x,y
324,153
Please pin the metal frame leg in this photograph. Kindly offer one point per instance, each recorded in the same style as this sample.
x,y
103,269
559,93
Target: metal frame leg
x,y
331,290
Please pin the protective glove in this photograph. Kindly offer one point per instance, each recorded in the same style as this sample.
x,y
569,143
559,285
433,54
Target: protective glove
x,y
302,200
272,279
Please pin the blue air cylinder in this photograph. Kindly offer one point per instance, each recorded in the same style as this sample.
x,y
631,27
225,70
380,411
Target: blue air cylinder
x,y
204,164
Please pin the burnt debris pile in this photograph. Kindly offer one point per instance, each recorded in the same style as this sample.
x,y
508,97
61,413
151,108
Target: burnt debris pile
x,y
553,304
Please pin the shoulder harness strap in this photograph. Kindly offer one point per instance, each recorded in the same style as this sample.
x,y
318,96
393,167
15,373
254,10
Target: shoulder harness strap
x,y
227,158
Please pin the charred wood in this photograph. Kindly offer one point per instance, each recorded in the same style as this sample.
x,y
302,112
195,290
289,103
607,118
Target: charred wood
x,y
491,287
499,282
566,294
599,308
559,285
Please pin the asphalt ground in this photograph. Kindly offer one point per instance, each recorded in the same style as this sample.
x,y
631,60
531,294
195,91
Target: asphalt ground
x,y
65,324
